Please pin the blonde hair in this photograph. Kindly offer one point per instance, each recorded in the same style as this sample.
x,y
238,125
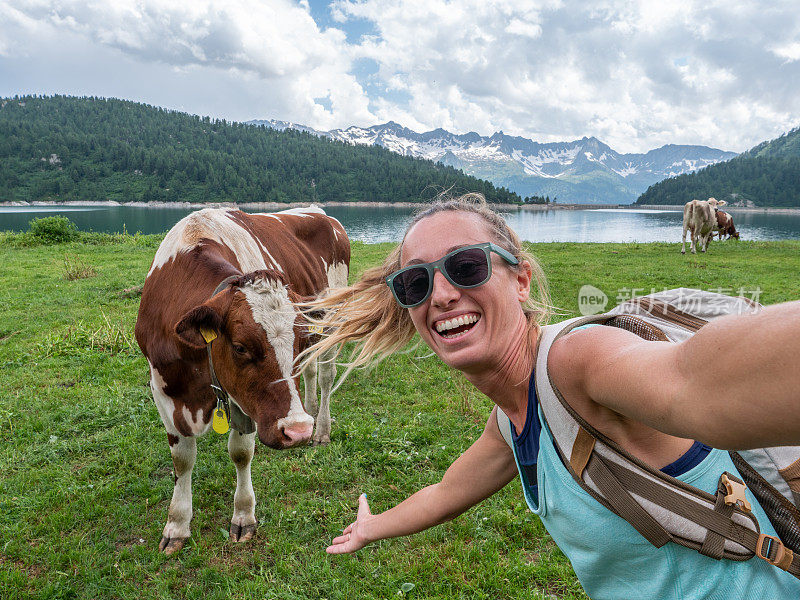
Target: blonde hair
x,y
367,313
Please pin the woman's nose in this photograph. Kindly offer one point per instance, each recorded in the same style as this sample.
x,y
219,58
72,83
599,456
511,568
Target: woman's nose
x,y
444,292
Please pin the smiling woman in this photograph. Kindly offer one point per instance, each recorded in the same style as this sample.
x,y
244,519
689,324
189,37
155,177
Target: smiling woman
x,y
462,282
369,312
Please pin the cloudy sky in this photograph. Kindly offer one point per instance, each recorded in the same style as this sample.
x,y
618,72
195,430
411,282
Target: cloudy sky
x,y
636,75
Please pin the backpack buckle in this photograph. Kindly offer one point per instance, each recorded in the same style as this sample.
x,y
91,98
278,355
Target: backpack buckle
x,y
764,546
735,493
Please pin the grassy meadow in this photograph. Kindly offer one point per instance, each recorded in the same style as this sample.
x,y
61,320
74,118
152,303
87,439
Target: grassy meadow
x,y
85,469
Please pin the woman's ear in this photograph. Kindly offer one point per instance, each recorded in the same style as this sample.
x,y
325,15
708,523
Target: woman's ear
x,y
524,276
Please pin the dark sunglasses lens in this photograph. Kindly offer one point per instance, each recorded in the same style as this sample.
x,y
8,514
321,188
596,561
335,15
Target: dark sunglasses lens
x,y
468,268
411,286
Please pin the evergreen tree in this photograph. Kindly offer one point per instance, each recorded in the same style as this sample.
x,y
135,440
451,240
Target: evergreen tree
x,y
59,148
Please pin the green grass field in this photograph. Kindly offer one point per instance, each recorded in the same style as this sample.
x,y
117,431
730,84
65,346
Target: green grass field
x,y
85,477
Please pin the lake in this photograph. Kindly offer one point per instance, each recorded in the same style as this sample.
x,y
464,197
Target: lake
x,y
387,224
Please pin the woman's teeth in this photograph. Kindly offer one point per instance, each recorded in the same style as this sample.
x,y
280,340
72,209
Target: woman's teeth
x,y
455,327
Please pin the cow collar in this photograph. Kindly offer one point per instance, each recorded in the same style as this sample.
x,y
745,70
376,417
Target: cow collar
x,y
235,416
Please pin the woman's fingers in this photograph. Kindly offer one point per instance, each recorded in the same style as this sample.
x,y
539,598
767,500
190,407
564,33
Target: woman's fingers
x,y
363,507
350,540
347,542
336,548
345,535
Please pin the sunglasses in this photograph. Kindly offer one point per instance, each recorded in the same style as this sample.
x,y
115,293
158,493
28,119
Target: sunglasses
x,y
467,267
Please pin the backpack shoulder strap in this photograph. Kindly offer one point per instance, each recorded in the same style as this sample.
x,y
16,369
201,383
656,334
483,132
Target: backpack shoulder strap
x,y
563,421
504,425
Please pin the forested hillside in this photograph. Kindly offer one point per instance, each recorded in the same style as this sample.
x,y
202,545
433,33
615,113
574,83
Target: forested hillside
x,y
767,175
69,149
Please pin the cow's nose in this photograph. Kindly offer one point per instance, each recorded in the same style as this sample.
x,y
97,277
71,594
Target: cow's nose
x,y
297,433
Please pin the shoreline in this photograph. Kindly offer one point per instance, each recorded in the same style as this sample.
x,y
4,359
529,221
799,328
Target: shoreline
x,y
274,206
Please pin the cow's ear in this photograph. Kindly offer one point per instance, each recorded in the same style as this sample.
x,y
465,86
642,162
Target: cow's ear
x,y
259,274
296,298
721,202
199,326
309,331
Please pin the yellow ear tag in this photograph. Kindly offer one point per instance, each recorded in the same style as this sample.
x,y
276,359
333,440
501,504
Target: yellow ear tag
x,y
220,421
209,335
315,329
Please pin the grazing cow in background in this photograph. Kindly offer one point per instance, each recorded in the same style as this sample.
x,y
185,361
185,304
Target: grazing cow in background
x,y
217,306
725,225
700,220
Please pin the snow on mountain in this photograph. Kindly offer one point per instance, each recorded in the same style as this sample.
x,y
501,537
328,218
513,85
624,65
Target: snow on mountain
x,y
584,170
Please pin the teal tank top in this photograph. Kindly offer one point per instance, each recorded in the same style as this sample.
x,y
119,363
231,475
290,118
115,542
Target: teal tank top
x,y
614,562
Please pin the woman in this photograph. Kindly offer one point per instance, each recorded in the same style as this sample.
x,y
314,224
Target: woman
x,y
485,324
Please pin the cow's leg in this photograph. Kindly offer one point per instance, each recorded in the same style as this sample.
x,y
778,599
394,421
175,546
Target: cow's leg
x,y
184,453
693,236
310,403
240,448
327,375
176,531
326,367
687,219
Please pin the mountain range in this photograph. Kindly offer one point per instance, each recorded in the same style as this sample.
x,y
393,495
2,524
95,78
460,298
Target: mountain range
x,y
766,175
580,171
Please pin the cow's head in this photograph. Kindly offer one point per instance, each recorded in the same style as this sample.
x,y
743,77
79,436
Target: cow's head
x,y
716,204
259,334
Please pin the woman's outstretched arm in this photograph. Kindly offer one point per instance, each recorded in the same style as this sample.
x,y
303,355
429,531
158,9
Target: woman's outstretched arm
x,y
482,470
734,384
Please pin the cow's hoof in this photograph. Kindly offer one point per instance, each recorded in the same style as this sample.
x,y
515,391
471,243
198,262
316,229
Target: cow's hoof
x,y
170,546
320,440
242,533
683,251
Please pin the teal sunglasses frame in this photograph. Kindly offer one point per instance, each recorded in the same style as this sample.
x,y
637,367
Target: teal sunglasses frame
x,y
430,267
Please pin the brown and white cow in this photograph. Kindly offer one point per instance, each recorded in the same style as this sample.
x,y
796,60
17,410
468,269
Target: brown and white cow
x,y
261,263
699,219
725,225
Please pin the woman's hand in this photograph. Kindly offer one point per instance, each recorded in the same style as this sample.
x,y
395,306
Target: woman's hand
x,y
484,468
353,537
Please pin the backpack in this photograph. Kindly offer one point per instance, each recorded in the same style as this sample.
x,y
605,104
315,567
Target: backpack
x,y
660,507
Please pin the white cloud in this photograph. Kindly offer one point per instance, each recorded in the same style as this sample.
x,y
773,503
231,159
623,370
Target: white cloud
x,y
275,42
790,51
634,74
